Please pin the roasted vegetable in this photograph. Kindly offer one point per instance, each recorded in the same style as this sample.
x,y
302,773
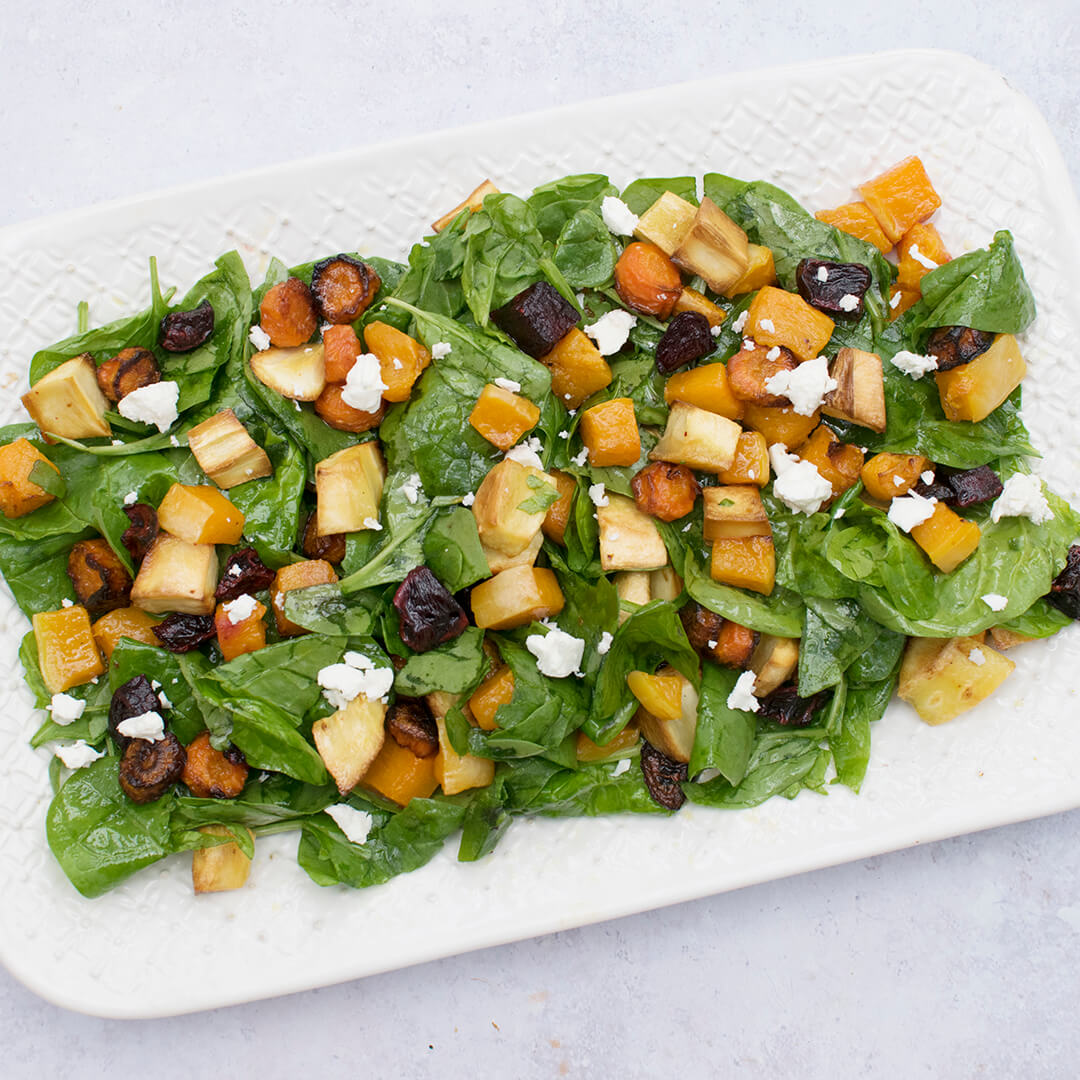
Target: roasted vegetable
x,y
708,387
786,707
838,462
125,622
220,868
502,417
700,439
885,476
209,773
200,514
349,740
68,401
495,690
610,433
750,369
578,369
149,769
341,347
952,346
944,678
666,223
399,775
473,201
298,372
127,371
629,539
747,562
331,548
900,196
176,576
299,575
714,248
781,318
246,634
947,538
67,652
665,491
859,396
773,661
537,318
647,280
287,313
19,495
558,513
402,359
410,724
751,462
857,220
226,452
516,597
348,489
342,288
335,411
735,510
100,579
510,506
668,714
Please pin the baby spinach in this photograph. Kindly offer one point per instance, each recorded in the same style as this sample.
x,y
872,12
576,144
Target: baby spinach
x,y
641,194
542,787
557,202
835,633
724,738
850,743
452,549
585,252
455,666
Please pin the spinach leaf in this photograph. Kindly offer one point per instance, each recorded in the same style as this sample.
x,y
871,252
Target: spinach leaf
x,y
558,201
325,609
433,279
485,822
641,194
850,744
271,802
455,666
585,252
835,633
36,570
452,549
724,738
1041,620
541,787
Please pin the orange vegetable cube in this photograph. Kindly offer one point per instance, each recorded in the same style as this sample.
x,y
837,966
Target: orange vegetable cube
x,y
200,514
67,653
900,196
496,690
747,562
558,515
974,390
900,300
919,247
401,358
341,347
751,463
502,416
707,387
399,775
516,597
692,300
298,575
856,219
610,433
647,280
247,634
18,494
126,622
839,463
885,476
780,424
760,272
588,751
777,317
577,368
946,537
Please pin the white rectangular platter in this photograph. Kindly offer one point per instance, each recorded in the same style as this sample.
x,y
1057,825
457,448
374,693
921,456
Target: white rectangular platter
x,y
150,948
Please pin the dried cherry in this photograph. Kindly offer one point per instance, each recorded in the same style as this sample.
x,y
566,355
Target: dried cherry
x,y
135,697
686,340
827,291
663,777
538,318
429,614
331,548
182,331
973,486
140,535
343,288
410,724
956,345
787,708
244,572
1064,593
234,755
181,632
149,769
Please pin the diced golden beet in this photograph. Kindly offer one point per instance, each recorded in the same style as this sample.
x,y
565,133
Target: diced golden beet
x,y
246,635
100,579
341,347
299,575
885,476
125,622
399,775
692,300
647,280
502,416
747,562
941,680
200,514
498,562
501,521
900,196
473,201
666,222
839,463
287,313
558,514
751,462
209,773
947,538
660,694
401,358
773,662
900,300
859,396
703,440
715,248
334,410
1001,637
177,576
707,387
629,539
496,690
577,368
735,510
516,597
459,772
735,645
668,714
18,494
68,401
298,373
226,452
856,219
349,488
760,272
632,587
973,391
921,244
588,751
665,584
750,369
220,868
665,491
349,740
780,425
67,653
778,317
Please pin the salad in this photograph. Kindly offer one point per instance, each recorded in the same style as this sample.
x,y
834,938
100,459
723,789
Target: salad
x,y
602,502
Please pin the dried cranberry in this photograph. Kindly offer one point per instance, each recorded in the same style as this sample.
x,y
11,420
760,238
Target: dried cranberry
x,y
938,489
1064,593
787,708
149,769
686,339
183,331
135,697
429,614
973,486
956,345
234,755
663,777
410,724
331,548
828,292
244,572
180,632
537,319
140,535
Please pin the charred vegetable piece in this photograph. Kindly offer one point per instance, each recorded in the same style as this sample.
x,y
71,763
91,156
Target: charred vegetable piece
x,y
331,548
343,288
537,319
429,613
663,777
180,632
956,345
410,724
701,625
836,288
686,340
234,755
1064,593
135,697
665,491
183,331
939,490
786,707
149,769
245,572
717,638
126,371
287,313
140,535
750,369
101,580
210,774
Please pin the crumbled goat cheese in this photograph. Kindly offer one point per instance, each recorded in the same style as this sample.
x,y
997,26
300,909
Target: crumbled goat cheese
x,y
767,324
243,607
372,523
773,353
154,404
798,485
604,644
920,258
148,725
174,441
527,453
558,654
507,384
740,322
621,766
564,434
995,601
67,603
805,387
259,338
440,349
234,571
742,693
716,330
579,458
894,300
355,824
611,331
598,494
977,657
823,273
65,709
356,676
927,477
907,511
165,702
712,644
468,498
131,498
155,684
1022,496
412,487
913,364
363,385
848,302
898,481
117,442
749,344
78,755
618,217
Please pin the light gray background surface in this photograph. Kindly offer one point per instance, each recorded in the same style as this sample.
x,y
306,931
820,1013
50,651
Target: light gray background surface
x,y
957,959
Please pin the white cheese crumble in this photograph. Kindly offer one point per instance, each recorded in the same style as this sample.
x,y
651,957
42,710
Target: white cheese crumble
x,y
558,654
913,364
356,676
372,523
65,709
603,646
621,766
412,488
848,302
468,498
363,385
894,300
773,353
243,607
259,338
740,322
927,477
798,485
995,601
767,324
154,404
1022,496
355,824
441,349
823,273
598,494
749,344
618,217
165,702
507,384
131,498
920,258
742,693
805,387
898,481
148,725
977,657
712,644
564,434
610,331
716,330
527,453
907,511
78,755
579,458
67,603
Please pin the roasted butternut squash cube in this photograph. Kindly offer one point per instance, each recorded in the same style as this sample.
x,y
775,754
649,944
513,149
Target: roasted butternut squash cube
x,y
747,562
220,868
838,462
349,488
19,495
859,396
856,219
298,372
715,248
176,576
200,514
473,201
610,433
399,775
588,751
496,690
703,440
126,622
349,740
629,539
502,416
760,272
900,196
558,515
735,510
692,300
209,774
707,387
900,300
298,575
943,678
459,772
947,538
516,597
578,370
498,562
781,424
402,359
773,661
885,476
666,222
668,714
751,462
510,506
226,452
778,317
68,401
247,634
67,653
921,250
973,391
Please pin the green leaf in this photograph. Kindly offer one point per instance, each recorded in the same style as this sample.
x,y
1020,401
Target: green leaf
x,y
557,202
585,253
641,194
48,479
724,738
452,549
455,666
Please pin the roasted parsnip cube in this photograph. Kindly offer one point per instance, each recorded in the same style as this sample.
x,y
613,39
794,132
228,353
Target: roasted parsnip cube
x,y
298,575
200,514
67,652
760,272
473,201
629,539
665,584
1003,638
459,772
632,587
348,489
668,714
774,661
510,506
298,372
349,740
19,495
715,248
666,222
692,300
974,390
735,510
68,401
221,868
498,562
942,678
177,576
226,452
516,597
859,396
703,440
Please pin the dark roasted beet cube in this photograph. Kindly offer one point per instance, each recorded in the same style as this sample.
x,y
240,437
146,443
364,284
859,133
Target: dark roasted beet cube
x,y
973,486
180,632
135,697
686,339
140,535
956,345
538,318
663,777
786,707
835,288
1064,593
183,331
245,572
429,614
